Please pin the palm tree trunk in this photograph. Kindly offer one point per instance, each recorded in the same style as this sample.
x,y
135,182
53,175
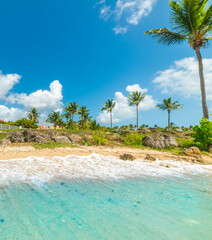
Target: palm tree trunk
x,y
202,84
111,121
137,115
72,121
169,120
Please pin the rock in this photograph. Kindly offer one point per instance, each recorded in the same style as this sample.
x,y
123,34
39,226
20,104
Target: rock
x,y
127,157
75,138
150,157
29,135
40,139
192,152
5,142
52,135
15,137
62,139
160,141
144,130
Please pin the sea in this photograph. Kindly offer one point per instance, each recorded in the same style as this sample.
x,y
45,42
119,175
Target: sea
x,y
102,197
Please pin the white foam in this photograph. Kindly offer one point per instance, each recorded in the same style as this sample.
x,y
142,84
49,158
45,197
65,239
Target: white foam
x,y
95,166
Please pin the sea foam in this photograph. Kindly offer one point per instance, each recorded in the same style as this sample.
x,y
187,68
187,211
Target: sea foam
x,y
94,166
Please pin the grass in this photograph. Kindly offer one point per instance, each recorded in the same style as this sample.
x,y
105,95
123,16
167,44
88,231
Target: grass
x,y
2,136
53,145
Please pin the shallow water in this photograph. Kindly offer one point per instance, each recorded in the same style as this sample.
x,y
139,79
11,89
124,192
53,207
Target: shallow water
x,y
110,199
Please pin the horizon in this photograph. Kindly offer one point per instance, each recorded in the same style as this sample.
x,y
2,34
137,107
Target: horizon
x,y
53,53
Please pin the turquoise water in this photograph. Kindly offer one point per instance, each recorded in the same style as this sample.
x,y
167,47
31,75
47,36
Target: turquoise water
x,y
150,208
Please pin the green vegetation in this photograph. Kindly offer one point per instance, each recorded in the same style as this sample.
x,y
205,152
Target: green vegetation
x,y
133,139
203,133
134,99
191,21
99,139
33,115
52,145
55,118
70,111
109,105
169,106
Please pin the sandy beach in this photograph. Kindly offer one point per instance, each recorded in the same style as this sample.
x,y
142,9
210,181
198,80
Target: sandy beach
x,y
16,152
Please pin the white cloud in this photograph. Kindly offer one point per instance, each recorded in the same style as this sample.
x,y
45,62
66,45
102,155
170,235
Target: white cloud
x,y
120,30
122,111
11,114
183,78
7,82
130,12
43,100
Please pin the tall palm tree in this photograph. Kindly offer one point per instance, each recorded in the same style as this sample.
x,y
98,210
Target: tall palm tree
x,y
109,105
83,111
169,106
33,115
70,111
192,22
134,99
55,118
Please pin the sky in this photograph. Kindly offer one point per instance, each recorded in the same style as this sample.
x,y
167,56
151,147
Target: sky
x,y
88,51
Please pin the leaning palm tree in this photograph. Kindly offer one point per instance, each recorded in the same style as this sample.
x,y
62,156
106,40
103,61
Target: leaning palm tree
x,y
33,115
169,106
134,99
70,111
83,111
109,105
55,118
192,22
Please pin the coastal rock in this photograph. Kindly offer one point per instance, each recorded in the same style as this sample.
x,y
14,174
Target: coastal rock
x,y
160,141
127,157
15,137
40,139
29,135
192,152
5,142
75,139
150,157
62,139
52,135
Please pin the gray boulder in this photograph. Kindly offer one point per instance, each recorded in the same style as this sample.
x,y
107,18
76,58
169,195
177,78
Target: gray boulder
x,y
15,137
5,142
29,135
160,141
62,139
127,157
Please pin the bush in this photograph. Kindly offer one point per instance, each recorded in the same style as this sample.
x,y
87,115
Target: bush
x,y
99,139
203,133
133,139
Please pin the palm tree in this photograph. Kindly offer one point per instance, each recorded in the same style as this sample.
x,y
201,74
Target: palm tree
x,y
109,105
55,118
169,106
82,112
70,110
134,99
33,115
192,22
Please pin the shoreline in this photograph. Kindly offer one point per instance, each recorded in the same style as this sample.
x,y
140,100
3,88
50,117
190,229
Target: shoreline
x,y
18,152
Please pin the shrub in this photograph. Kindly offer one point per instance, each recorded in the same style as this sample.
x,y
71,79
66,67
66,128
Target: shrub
x,y
99,139
203,133
133,139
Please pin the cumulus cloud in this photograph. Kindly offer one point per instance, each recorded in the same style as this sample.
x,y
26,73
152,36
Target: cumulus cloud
x,y
7,82
122,111
11,114
43,100
129,12
183,78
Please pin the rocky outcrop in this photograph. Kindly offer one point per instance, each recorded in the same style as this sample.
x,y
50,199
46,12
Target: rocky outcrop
x,y
150,157
15,137
62,139
127,157
193,152
5,142
160,141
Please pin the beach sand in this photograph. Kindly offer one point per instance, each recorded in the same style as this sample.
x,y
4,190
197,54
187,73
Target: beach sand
x,y
16,152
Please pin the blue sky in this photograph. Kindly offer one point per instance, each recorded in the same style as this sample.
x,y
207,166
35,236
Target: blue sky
x,y
78,43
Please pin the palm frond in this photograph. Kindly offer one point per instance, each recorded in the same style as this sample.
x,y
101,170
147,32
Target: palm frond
x,y
166,37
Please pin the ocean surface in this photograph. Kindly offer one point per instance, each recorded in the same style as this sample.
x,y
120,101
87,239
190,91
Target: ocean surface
x,y
98,197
